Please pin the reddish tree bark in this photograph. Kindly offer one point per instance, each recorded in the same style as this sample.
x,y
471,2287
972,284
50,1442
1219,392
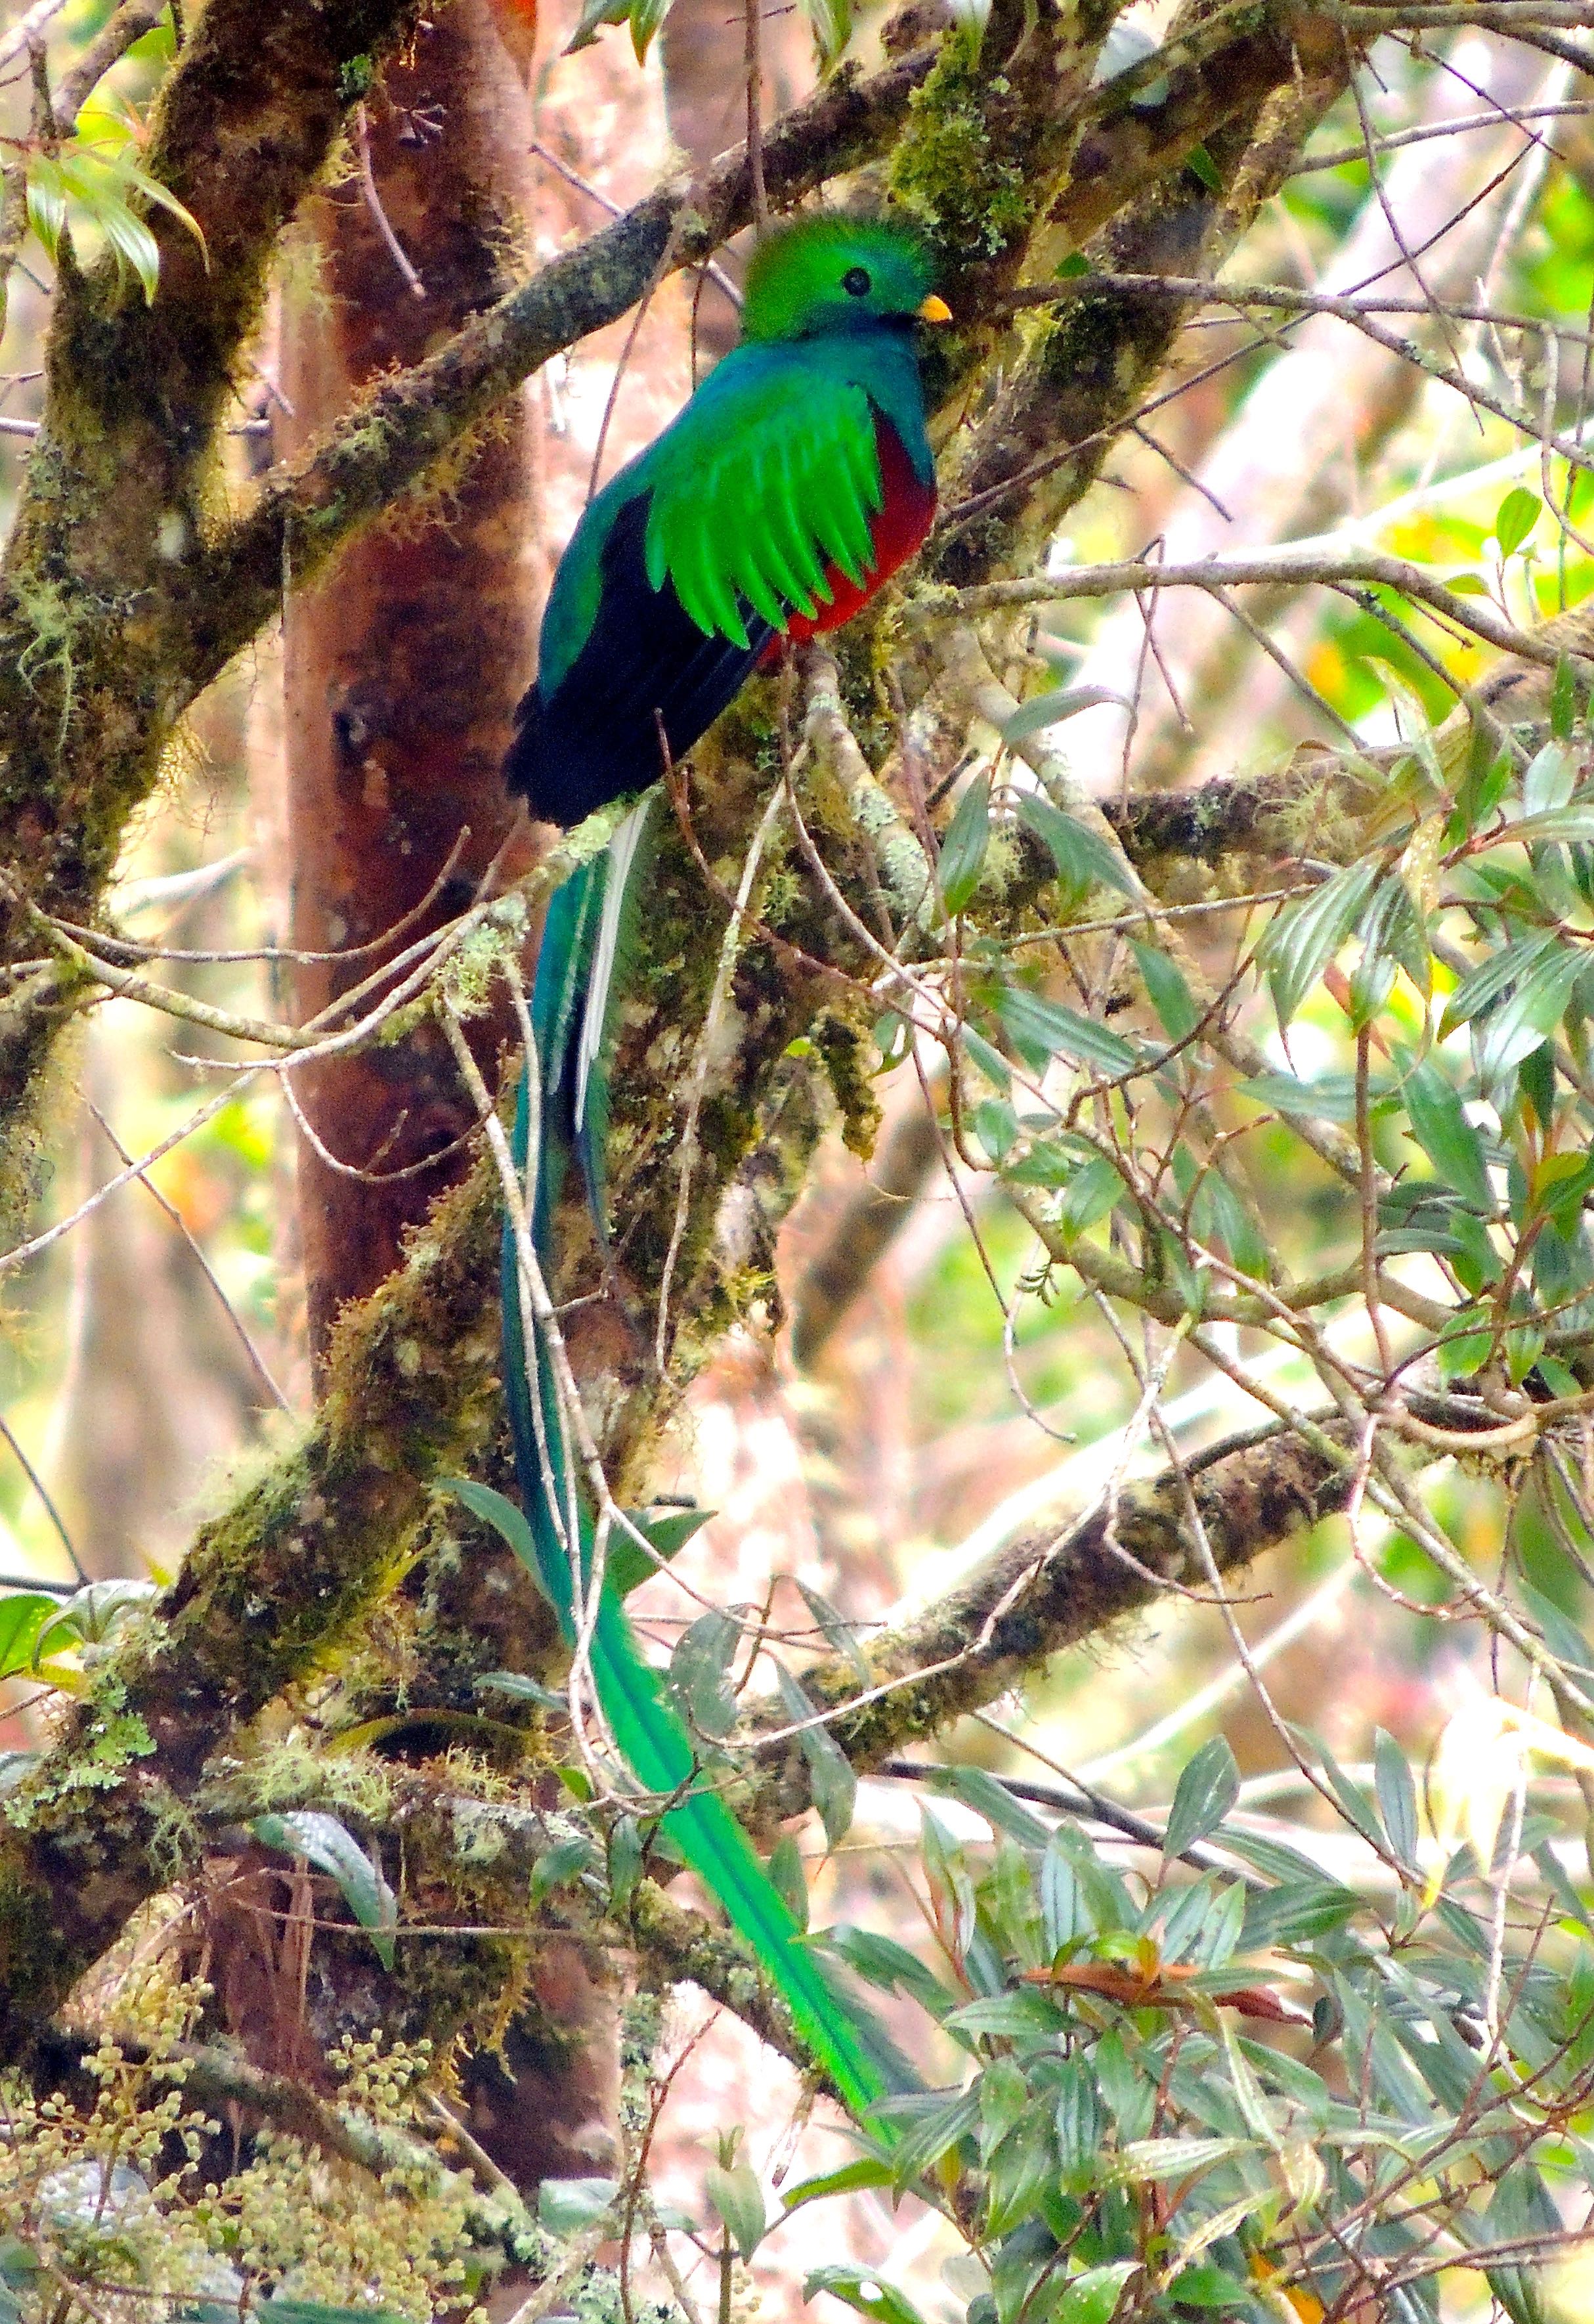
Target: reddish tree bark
x,y
403,667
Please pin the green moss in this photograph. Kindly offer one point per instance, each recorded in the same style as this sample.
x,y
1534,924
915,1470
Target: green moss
x,y
845,1047
946,172
107,1736
292,1771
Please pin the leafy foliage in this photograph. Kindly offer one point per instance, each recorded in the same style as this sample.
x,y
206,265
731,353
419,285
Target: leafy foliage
x,y
95,186
1138,2120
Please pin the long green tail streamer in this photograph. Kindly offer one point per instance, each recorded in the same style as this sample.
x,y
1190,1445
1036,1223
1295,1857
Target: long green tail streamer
x,y
651,1735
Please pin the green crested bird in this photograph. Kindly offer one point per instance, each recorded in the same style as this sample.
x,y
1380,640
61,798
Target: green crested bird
x,y
796,481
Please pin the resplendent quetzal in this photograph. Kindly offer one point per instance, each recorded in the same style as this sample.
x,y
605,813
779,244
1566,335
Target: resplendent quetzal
x,y
796,479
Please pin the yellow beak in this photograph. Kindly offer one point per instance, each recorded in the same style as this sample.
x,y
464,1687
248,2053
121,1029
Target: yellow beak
x,y
935,309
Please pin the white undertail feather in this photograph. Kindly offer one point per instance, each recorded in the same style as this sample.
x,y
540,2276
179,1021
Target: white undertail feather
x,y
622,852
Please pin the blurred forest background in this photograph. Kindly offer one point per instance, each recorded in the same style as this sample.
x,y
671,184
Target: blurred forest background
x,y
940,1387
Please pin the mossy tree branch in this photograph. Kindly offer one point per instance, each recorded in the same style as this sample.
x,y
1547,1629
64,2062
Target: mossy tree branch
x,y
1047,1591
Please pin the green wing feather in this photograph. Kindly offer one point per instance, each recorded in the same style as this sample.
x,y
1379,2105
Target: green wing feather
x,y
772,475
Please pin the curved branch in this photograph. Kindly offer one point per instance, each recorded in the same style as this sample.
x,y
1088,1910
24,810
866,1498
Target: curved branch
x,y
1047,1591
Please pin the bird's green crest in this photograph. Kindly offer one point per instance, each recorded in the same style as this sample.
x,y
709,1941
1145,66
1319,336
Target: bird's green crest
x,y
827,270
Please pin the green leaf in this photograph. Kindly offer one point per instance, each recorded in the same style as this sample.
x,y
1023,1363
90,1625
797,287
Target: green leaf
x,y
625,1861
1092,2298
700,1672
523,1689
1398,1797
1170,995
1392,929
1218,1215
1205,2286
1416,731
1565,1641
1126,2088
785,1868
835,1629
1051,709
1022,2167
987,1797
1078,2123
831,1778
132,243
1563,699
595,14
124,162
1042,1028
1549,779
739,2200
990,1062
23,1616
1351,1795
1201,163
1460,1353
1296,1914
667,1530
645,17
493,1509
1019,2014
559,1865
1575,822
1093,1193
1515,518
833,27
1441,1127
91,1614
46,205
996,1126
566,2206
883,1962
1331,1097
862,2290
94,181
1082,857
1533,1009
868,2170
1207,1790
1064,1914
281,2310
1151,2159
1302,939
332,1848
1492,977
20,2265
964,847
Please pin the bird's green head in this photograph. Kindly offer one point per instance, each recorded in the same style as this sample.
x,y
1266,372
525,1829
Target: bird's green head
x,y
829,273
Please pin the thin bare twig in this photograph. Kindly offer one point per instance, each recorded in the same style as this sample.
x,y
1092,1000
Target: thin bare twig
x,y
50,1511
256,1360
380,219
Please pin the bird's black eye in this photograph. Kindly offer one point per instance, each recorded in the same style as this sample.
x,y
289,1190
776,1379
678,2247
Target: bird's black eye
x,y
856,284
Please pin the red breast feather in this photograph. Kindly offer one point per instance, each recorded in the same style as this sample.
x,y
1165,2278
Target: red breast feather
x,y
897,529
